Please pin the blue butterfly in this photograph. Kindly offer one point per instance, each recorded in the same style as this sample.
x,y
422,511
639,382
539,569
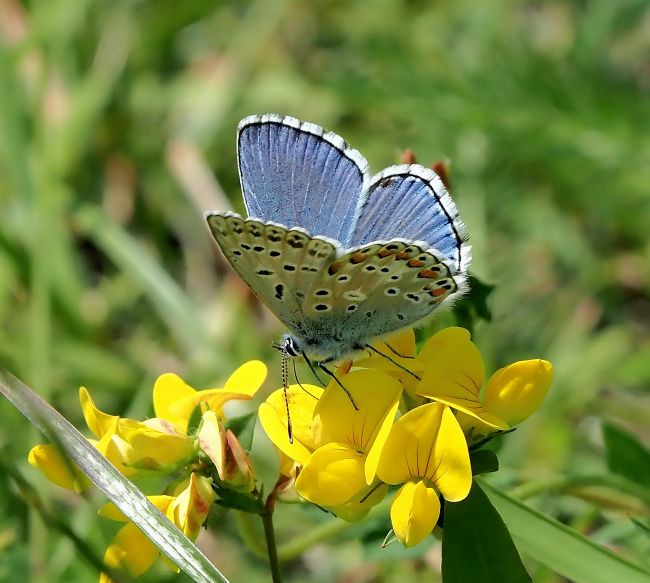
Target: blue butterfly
x,y
338,256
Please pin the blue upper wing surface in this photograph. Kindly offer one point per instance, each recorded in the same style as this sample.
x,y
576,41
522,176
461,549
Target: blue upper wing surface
x,y
410,202
299,175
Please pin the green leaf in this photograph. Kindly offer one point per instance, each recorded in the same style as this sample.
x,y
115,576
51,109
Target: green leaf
x,y
238,500
476,545
244,428
626,455
121,491
483,461
559,547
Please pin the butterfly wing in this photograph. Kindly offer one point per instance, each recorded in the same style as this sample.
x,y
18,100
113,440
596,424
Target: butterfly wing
x,y
277,263
373,290
410,201
297,174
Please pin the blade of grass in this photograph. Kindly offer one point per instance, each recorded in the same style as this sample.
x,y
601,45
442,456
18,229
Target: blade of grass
x,y
564,550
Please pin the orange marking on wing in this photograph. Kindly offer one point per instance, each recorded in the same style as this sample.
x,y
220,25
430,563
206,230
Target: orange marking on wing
x,y
415,263
358,257
334,267
386,252
430,273
437,292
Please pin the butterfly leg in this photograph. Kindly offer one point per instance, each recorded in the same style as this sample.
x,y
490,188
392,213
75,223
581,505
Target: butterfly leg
x,y
397,364
295,374
312,369
398,353
323,366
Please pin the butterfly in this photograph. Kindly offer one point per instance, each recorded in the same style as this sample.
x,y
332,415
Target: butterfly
x,y
340,257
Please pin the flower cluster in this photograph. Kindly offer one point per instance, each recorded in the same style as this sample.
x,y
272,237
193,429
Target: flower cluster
x,y
191,452
417,416
346,459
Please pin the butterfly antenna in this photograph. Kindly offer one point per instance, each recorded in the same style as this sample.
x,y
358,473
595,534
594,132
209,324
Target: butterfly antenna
x,y
312,369
295,374
323,367
285,386
397,364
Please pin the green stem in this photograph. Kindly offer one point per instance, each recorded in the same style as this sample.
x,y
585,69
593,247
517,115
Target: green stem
x,y
619,496
267,521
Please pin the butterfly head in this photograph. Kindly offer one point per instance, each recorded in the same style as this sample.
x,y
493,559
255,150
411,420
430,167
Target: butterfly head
x,y
288,346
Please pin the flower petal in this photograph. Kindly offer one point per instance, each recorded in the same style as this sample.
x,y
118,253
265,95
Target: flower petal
x,y
336,419
332,476
374,453
57,468
399,347
168,390
361,503
452,471
517,390
273,417
98,422
212,440
152,449
130,550
428,443
414,512
247,379
454,374
191,507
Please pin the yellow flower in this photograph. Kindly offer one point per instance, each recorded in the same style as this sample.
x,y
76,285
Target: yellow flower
x,y
136,447
427,452
349,441
175,400
337,446
132,551
454,374
161,444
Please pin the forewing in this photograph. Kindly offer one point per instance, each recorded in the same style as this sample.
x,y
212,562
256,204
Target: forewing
x,y
277,263
297,174
373,290
411,202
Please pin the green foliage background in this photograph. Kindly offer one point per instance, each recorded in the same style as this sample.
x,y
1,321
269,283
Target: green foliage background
x,y
117,127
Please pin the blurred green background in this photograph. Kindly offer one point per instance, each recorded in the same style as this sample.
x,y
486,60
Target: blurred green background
x,y
117,130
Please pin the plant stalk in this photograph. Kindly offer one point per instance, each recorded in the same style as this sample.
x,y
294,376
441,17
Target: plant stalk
x,y
271,547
